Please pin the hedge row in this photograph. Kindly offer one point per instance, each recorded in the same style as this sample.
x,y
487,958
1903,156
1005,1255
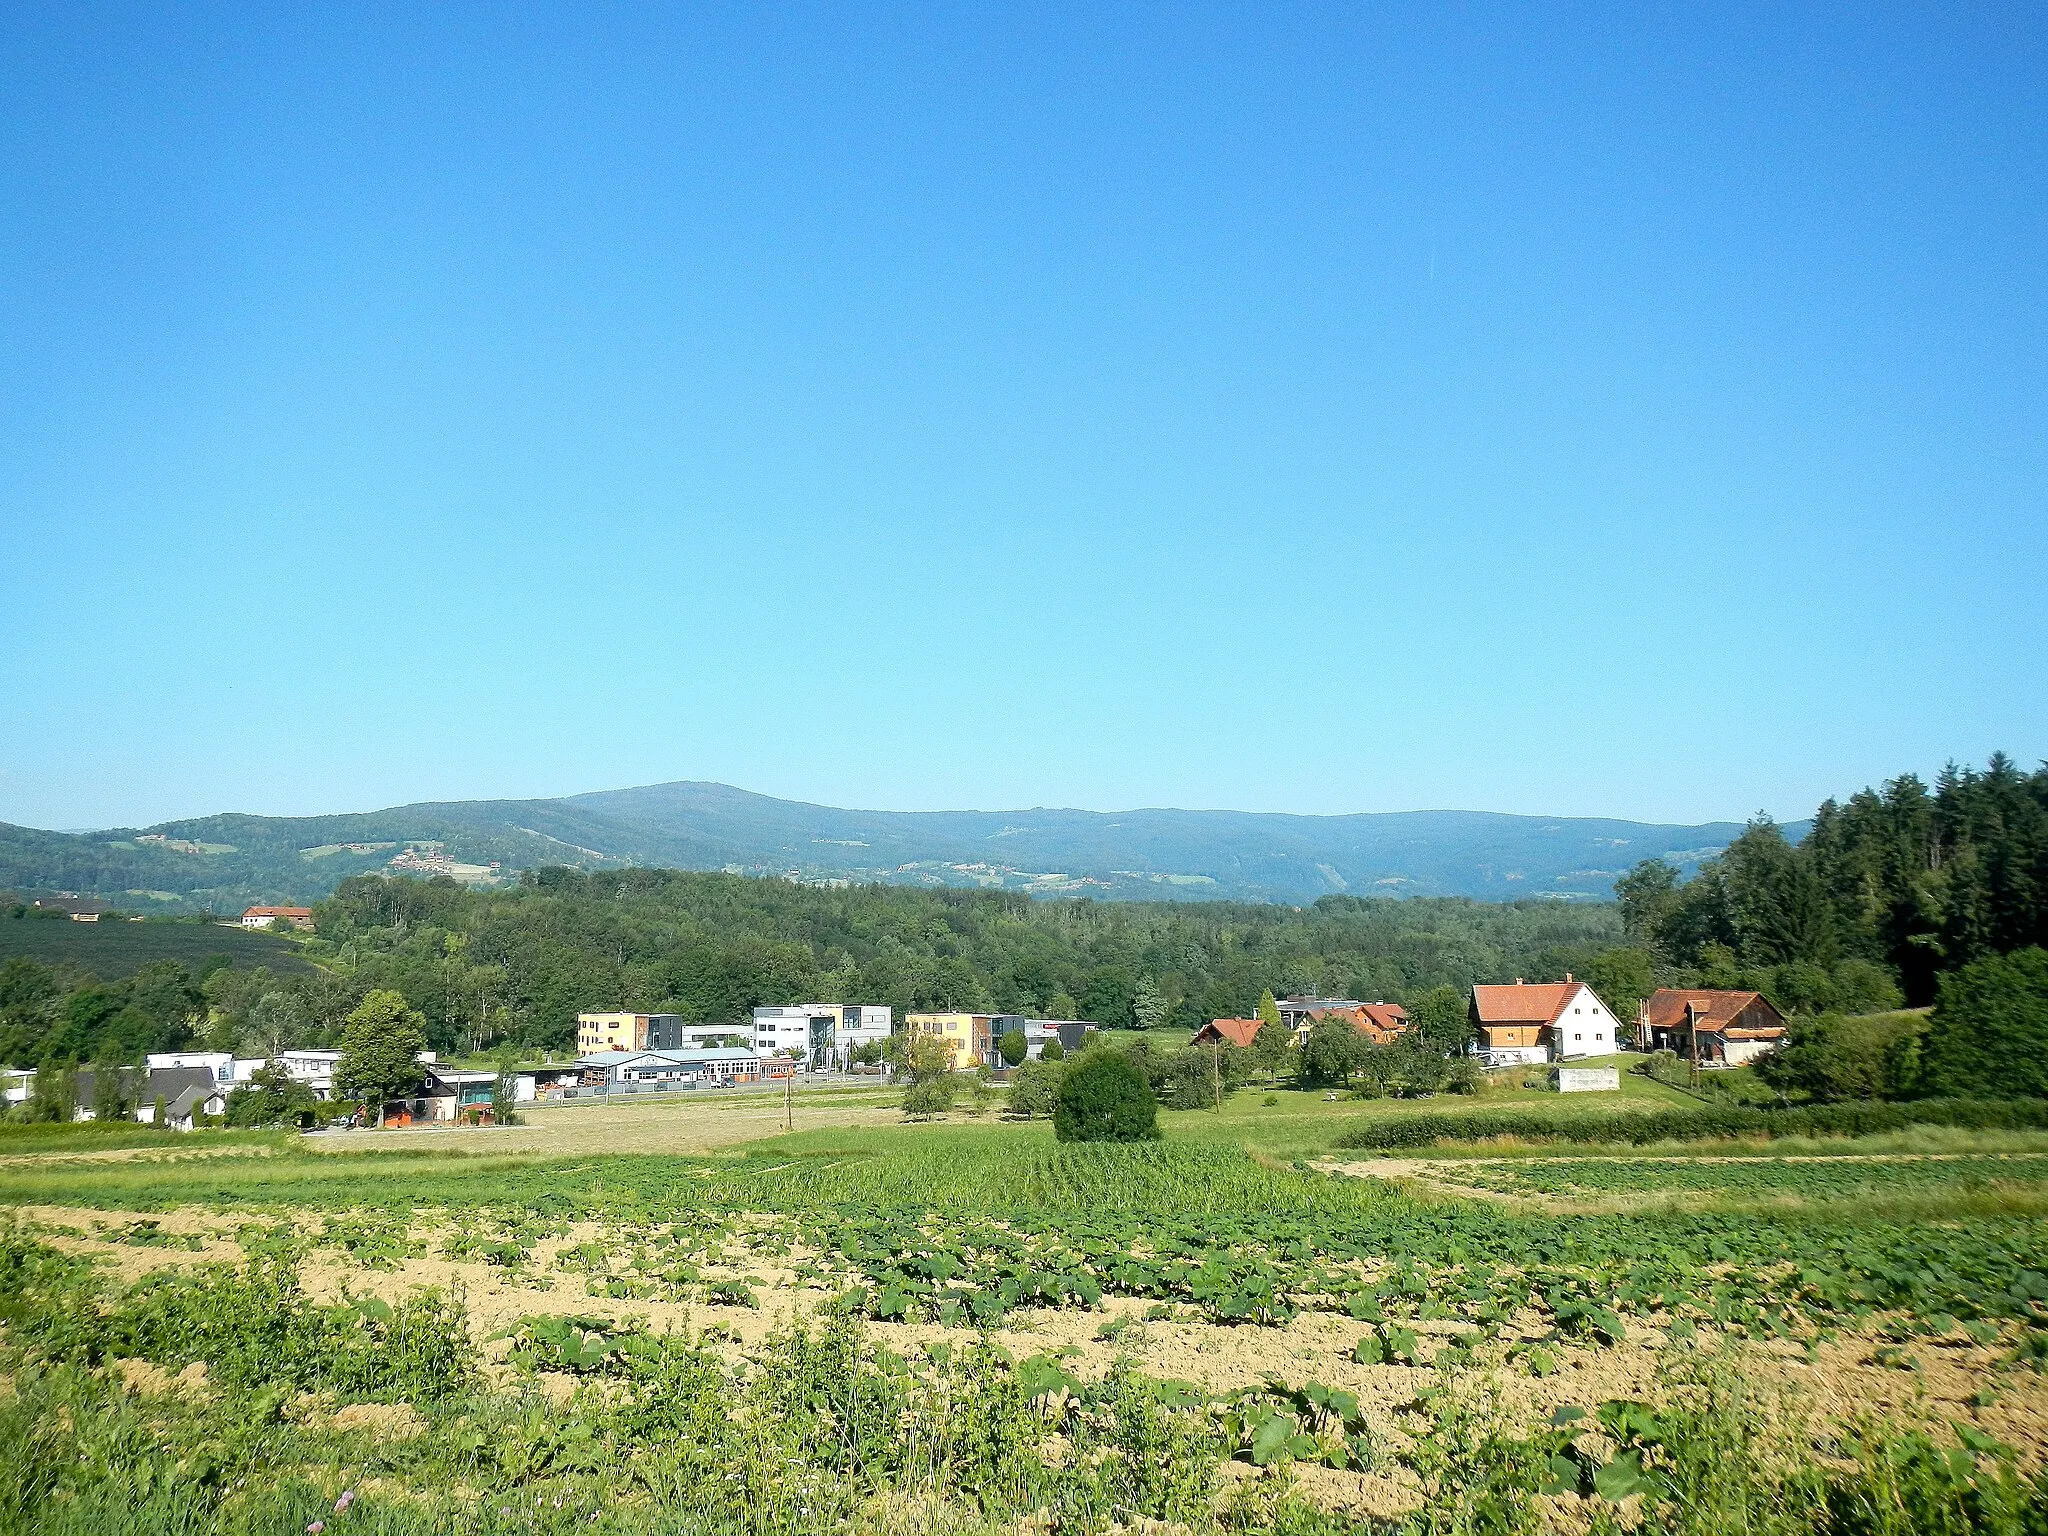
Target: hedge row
x,y
1707,1123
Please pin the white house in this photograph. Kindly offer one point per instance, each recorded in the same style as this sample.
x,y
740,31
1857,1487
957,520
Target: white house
x,y
1525,1023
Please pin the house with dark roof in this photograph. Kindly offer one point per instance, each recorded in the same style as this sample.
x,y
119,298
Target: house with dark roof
x,y
1731,1028
185,1093
1527,1023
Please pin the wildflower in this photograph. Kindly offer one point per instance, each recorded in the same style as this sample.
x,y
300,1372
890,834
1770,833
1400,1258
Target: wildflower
x,y
316,1528
347,1498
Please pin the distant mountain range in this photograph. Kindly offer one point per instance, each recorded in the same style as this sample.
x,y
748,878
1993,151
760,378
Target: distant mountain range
x,y
226,862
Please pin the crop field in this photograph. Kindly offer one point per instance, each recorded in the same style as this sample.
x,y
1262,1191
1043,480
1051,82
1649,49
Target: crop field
x,y
116,949
873,1326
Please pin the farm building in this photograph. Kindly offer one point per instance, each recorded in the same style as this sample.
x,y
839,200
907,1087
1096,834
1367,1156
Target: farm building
x,y
1524,1023
1238,1032
1734,1027
642,1070
262,917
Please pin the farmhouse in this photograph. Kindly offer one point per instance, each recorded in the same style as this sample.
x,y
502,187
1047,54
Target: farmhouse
x,y
1734,1027
1238,1032
262,917
1525,1023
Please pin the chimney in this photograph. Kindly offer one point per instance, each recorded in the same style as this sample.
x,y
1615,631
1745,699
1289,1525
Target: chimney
x,y
1567,975
1518,981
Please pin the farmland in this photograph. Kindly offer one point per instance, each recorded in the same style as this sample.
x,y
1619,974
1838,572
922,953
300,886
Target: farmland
x,y
867,1325
111,950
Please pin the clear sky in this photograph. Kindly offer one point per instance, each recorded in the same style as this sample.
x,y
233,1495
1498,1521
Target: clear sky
x,y
1569,409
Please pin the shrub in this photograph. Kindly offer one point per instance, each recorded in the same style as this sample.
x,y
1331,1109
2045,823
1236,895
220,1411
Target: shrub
x,y
1104,1097
1035,1090
928,1099
1052,1051
1836,1057
1014,1047
1705,1123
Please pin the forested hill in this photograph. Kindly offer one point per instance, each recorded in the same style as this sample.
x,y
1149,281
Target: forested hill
x,y
229,861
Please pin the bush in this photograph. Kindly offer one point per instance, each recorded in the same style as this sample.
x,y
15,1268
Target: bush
x,y
1035,1090
1052,1050
927,1099
1989,1032
1013,1047
1104,1097
1706,1123
1836,1057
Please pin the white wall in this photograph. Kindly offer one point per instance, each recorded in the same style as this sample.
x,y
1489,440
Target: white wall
x,y
1585,1028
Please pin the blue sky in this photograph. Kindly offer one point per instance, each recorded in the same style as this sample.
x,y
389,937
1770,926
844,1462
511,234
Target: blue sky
x,y
1575,410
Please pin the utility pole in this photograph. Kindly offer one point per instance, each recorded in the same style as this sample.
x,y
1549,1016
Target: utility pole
x,y
1216,1074
1692,1029
788,1098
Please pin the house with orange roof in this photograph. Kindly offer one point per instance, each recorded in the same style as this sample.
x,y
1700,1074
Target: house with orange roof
x,y
1378,1022
1527,1023
1237,1032
1733,1028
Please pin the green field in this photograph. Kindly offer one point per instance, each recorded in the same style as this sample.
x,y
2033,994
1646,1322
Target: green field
x,y
110,950
969,1326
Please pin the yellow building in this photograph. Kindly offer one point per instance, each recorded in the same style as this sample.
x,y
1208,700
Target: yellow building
x,y
971,1035
612,1032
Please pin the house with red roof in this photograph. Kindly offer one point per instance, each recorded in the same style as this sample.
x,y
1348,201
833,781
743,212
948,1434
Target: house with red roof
x,y
1734,1028
1378,1022
1237,1032
1526,1023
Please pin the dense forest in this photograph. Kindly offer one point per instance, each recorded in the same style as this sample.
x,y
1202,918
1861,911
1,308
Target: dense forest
x,y
518,964
1903,881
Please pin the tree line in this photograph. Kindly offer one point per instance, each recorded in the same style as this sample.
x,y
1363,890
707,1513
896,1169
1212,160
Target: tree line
x,y
1896,886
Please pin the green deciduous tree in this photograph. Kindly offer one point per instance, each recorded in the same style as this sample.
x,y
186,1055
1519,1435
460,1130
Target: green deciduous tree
x,y
1333,1051
109,1101
380,1046
1622,978
1442,1017
1829,1056
1149,1006
1013,1047
272,1096
1989,1031
1034,1091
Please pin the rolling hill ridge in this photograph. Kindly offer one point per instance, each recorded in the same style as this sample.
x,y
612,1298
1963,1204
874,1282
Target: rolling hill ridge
x,y
225,862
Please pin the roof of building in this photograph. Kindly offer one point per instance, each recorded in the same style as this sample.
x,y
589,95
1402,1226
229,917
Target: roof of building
x,y
279,912
1524,1002
708,1053
181,1105
73,904
1238,1032
1391,1017
1297,1003
1666,1007
456,1075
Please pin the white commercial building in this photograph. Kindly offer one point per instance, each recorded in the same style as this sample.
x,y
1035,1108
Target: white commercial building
x,y
821,1035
